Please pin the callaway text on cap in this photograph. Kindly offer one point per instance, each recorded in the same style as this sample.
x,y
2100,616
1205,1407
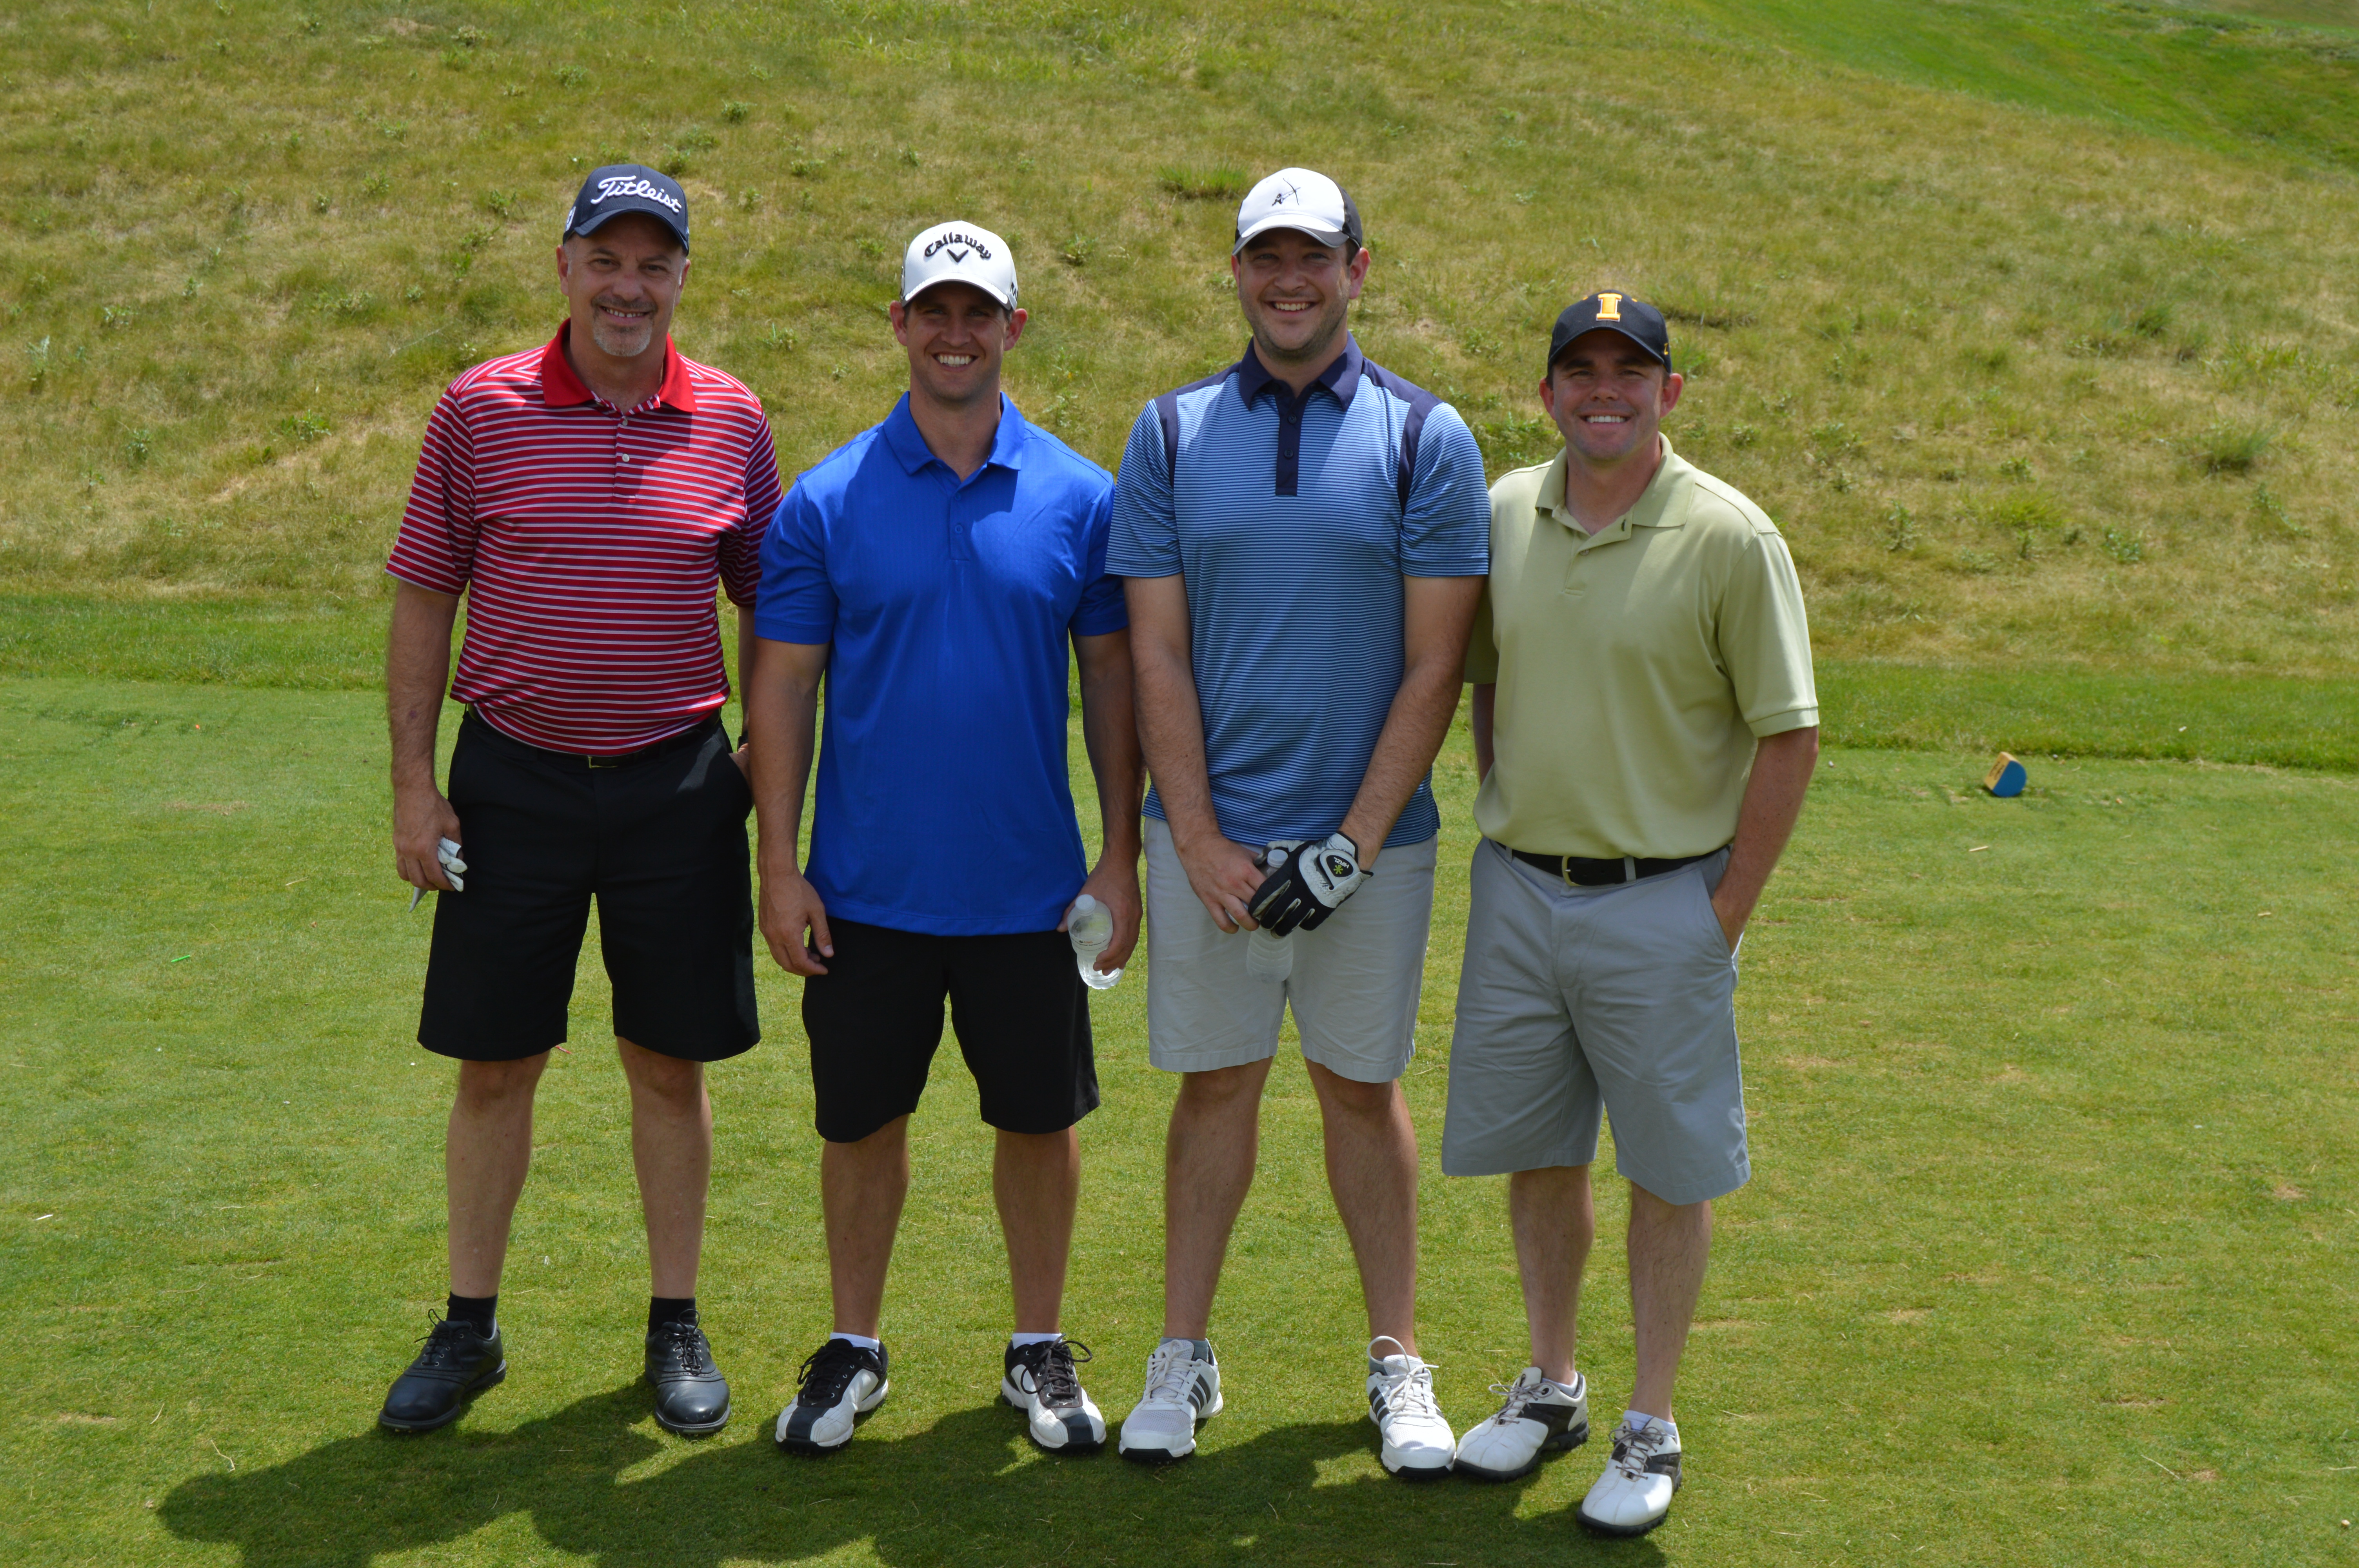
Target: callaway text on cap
x,y
960,252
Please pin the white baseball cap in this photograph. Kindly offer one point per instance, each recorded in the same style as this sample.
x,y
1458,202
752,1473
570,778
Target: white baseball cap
x,y
959,252
1299,199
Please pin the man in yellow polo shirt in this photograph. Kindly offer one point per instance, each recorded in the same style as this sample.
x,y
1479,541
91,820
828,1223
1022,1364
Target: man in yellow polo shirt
x,y
1645,723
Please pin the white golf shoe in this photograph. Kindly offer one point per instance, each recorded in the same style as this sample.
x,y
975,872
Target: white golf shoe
x,y
1042,1381
1537,1417
1635,1492
841,1383
1183,1391
1418,1443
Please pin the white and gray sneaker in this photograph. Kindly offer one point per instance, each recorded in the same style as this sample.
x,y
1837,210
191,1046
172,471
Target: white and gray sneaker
x,y
1183,1391
1042,1381
1538,1417
1635,1492
841,1382
1418,1443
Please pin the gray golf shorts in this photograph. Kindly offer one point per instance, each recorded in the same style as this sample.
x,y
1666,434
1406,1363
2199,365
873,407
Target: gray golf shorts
x,y
1576,999
1353,987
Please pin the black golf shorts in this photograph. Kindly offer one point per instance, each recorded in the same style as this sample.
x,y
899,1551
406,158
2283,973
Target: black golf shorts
x,y
1017,1004
660,841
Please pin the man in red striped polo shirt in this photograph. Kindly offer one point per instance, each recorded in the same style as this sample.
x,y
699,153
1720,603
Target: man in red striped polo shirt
x,y
585,498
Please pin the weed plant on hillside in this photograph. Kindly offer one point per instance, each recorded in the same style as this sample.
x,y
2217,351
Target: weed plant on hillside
x,y
2069,337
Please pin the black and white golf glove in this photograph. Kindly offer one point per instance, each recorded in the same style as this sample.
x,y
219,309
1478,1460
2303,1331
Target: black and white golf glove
x,y
1307,885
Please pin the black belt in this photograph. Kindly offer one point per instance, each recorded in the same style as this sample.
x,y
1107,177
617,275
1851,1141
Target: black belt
x,y
1588,874
685,739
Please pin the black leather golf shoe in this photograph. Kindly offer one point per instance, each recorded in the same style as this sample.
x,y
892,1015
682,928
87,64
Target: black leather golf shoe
x,y
457,1364
692,1396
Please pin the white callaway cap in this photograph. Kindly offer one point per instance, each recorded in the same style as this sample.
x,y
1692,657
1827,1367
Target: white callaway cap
x,y
1299,199
959,252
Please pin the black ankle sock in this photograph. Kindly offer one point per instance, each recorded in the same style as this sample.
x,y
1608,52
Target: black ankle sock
x,y
476,1311
662,1310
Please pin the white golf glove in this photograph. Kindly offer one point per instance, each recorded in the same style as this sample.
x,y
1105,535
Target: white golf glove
x,y
448,853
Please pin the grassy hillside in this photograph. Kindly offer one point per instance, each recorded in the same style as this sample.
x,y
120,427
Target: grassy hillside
x,y
2034,326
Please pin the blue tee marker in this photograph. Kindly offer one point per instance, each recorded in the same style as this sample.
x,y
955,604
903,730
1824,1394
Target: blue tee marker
x,y
2006,777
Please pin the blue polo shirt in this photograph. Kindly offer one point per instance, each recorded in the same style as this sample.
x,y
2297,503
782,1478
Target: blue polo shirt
x,y
1292,521
943,806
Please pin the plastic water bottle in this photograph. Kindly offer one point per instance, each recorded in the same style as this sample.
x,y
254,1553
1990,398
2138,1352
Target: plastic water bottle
x,y
1091,925
1269,958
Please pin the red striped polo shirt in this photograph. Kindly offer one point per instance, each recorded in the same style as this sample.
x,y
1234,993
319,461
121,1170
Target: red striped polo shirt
x,y
589,542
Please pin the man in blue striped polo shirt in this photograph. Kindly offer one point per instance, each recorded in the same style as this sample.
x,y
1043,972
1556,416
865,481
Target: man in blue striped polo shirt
x,y
1305,538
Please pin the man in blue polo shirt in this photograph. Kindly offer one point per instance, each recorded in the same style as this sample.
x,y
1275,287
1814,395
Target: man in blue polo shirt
x,y
1305,537
934,569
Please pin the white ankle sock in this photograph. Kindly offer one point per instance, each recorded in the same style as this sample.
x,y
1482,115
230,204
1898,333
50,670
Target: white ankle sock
x,y
862,1340
1021,1340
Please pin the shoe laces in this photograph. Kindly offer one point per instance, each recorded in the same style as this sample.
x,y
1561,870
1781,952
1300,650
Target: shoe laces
x,y
684,1346
1167,1372
1409,1392
829,1370
443,1336
1633,1447
1054,1377
1517,1395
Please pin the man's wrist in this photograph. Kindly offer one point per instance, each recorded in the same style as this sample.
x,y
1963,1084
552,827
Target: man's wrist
x,y
1187,837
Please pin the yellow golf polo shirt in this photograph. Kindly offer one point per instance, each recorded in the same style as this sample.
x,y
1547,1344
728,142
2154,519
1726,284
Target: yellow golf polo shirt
x,y
1635,665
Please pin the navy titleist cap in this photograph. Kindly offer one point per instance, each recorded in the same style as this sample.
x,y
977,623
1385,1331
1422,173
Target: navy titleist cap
x,y
1633,318
629,188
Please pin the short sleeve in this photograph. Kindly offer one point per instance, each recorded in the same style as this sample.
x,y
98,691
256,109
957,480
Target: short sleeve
x,y
1446,530
1483,647
435,548
1102,609
1144,540
741,548
798,601
1765,639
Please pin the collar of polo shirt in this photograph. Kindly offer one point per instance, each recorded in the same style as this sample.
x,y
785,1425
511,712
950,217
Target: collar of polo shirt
x,y
908,443
560,389
1341,379
1651,510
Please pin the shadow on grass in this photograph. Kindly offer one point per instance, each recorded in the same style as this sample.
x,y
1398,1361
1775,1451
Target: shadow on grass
x,y
968,1489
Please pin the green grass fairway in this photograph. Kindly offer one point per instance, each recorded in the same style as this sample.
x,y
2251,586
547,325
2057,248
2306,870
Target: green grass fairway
x,y
2048,1259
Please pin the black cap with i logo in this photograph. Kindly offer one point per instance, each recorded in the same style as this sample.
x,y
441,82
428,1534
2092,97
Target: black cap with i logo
x,y
1633,318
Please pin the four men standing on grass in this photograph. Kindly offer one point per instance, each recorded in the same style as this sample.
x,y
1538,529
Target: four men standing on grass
x,y
1294,556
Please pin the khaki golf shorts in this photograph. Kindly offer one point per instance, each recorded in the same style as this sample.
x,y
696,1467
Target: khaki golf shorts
x,y
1576,999
1353,987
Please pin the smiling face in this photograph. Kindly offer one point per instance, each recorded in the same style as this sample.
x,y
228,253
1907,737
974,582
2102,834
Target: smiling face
x,y
622,283
956,335
1608,395
1296,293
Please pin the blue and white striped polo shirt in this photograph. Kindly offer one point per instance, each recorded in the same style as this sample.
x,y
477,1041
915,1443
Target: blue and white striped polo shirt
x,y
1291,523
